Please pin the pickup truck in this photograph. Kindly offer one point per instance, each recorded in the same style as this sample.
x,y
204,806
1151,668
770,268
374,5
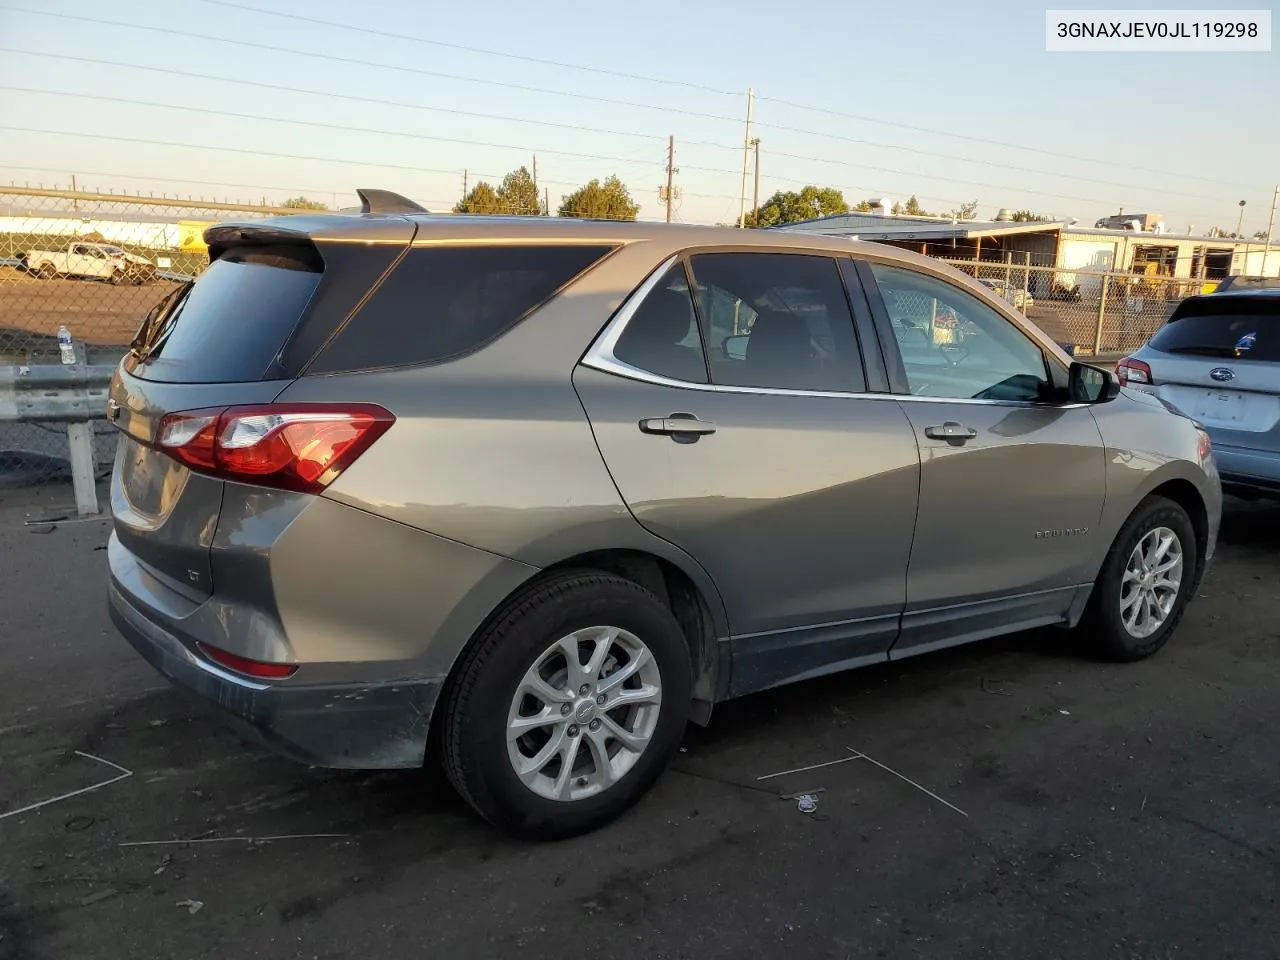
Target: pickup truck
x,y
90,261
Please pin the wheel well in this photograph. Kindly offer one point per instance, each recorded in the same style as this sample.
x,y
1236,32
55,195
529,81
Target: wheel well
x,y
682,597
1185,495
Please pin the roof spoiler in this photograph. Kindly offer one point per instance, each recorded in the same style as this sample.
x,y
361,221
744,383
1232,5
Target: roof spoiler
x,y
384,201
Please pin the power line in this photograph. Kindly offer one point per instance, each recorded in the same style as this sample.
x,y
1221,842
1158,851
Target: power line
x,y
985,163
221,148
333,58
204,183
693,86
988,142
609,132
320,124
687,84
377,101
616,102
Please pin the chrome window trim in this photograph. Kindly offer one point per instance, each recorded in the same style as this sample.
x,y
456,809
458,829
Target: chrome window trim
x,y
600,356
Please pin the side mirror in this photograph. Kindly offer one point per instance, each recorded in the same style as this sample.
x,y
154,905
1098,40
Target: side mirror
x,y
1089,384
735,348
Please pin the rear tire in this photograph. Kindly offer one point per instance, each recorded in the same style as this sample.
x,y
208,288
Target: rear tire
x,y
529,743
1144,585
46,272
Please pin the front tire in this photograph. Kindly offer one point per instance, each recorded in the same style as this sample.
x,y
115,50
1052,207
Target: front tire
x,y
1145,583
569,705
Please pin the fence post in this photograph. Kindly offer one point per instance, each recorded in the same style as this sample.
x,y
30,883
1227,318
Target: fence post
x,y
80,442
1102,315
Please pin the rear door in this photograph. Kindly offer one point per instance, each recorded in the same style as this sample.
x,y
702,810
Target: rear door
x,y
743,432
1218,360
216,343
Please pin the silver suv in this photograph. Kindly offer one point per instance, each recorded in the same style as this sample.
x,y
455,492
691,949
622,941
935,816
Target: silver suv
x,y
1218,359
531,494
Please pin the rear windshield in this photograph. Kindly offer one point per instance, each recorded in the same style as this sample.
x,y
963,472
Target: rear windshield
x,y
1244,329
229,326
445,302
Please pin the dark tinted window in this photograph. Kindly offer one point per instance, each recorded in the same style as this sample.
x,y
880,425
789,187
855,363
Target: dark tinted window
x,y
231,324
662,337
1235,327
777,320
444,302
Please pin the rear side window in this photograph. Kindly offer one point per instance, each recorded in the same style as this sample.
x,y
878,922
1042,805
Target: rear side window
x,y
441,303
662,337
1234,328
230,325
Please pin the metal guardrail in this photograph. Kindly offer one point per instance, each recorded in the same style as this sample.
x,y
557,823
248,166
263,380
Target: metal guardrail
x,y
74,394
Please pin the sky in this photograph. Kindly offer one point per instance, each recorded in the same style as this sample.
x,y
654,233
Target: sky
x,y
950,100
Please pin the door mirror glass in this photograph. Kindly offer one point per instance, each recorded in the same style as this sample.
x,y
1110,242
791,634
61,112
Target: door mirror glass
x,y
735,348
1090,384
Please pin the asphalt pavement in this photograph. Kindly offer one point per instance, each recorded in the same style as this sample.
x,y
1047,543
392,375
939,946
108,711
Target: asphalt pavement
x,y
1019,801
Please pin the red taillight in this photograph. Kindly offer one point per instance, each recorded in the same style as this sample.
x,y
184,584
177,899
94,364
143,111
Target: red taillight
x,y
1130,371
260,669
301,447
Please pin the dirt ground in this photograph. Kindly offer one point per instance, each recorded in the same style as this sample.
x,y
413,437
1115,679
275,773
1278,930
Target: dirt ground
x,y
1091,811
94,311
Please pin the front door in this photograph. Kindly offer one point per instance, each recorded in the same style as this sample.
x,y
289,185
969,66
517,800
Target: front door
x,y
742,433
1011,484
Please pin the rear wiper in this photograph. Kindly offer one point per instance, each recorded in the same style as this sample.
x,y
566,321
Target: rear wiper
x,y
144,340
1204,350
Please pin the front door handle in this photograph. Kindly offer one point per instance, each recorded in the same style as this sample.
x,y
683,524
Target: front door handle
x,y
951,430
681,427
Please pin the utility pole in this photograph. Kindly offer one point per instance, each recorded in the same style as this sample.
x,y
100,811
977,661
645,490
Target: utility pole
x,y
1244,266
75,204
546,201
464,184
1271,223
746,158
535,173
671,173
755,190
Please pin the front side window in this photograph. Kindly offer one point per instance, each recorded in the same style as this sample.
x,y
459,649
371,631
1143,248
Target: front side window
x,y
778,321
953,345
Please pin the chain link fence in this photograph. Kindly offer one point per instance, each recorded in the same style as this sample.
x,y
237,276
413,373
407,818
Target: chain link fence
x,y
95,264
1089,311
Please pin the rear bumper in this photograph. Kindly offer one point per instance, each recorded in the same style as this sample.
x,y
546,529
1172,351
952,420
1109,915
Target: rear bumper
x,y
352,725
1245,470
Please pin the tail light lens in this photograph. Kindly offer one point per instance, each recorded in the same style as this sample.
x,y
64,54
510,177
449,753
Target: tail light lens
x,y
1130,371
299,447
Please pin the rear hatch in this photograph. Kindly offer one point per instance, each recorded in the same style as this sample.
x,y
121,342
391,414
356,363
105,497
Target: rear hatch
x,y
1218,360
272,295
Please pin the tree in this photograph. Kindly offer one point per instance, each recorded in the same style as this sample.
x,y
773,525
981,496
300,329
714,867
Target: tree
x,y
1260,235
519,194
302,203
1026,216
600,201
481,198
966,211
791,207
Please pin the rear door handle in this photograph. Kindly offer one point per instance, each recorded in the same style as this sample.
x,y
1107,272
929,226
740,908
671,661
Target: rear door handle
x,y
951,430
681,427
